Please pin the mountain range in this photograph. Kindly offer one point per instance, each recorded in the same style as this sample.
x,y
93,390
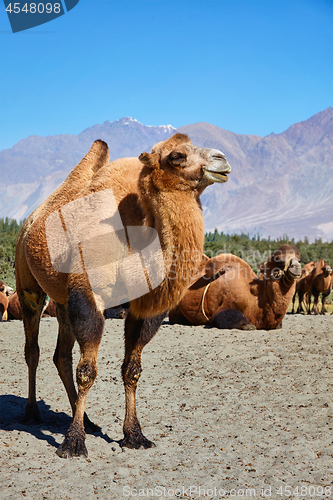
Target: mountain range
x,y
281,184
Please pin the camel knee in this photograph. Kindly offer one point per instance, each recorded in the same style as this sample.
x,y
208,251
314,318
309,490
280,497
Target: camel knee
x,y
131,372
86,374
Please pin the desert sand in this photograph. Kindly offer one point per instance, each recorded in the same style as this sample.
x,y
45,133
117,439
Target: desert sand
x,y
233,414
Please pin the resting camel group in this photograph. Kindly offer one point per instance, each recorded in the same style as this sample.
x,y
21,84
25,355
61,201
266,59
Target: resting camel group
x,y
115,233
230,295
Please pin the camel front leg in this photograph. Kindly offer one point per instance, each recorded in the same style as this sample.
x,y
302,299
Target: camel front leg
x,y
228,319
315,302
300,302
323,301
138,333
308,299
293,308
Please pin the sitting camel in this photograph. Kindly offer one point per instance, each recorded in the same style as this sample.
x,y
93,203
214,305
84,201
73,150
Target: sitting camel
x,y
321,283
14,308
303,286
159,190
3,306
7,290
230,295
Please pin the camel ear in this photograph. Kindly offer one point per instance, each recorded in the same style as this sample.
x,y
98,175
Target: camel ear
x,y
151,160
176,158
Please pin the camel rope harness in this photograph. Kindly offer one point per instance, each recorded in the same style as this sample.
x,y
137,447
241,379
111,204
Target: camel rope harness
x,y
282,272
203,300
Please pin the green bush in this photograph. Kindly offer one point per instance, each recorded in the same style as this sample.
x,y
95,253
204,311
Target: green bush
x,y
9,230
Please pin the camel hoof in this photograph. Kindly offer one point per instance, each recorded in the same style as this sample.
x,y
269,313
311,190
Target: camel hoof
x,y
63,452
73,446
89,426
32,415
247,326
137,443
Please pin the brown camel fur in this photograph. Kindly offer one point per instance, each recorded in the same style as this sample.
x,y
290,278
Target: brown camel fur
x,y
3,306
14,308
303,286
160,190
321,283
230,295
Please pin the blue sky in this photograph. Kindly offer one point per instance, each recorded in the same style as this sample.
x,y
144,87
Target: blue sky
x,y
252,67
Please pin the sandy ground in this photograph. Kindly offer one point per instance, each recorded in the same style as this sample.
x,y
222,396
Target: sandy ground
x,y
233,415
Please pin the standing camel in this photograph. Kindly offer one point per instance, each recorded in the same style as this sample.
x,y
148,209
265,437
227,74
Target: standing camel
x,y
321,283
159,190
303,286
230,295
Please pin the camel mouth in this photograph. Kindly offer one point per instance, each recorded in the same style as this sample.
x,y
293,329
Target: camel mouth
x,y
216,176
295,272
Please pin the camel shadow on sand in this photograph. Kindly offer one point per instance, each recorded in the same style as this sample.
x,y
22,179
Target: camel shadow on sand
x,y
12,418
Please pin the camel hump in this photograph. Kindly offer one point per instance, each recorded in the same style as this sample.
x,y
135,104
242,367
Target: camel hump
x,y
97,156
78,179
220,263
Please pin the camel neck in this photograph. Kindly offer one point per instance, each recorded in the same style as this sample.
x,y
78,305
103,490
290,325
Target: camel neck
x,y
177,218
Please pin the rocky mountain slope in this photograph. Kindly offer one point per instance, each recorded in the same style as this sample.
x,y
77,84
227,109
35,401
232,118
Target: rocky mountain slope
x,y
280,184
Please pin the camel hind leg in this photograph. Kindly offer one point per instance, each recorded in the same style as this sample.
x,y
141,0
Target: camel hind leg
x,y
31,298
32,303
87,324
63,360
138,332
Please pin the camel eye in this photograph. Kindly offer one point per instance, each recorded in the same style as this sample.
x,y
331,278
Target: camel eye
x,y
176,158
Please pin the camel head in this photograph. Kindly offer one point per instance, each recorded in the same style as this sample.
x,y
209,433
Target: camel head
x,y
327,270
285,263
178,164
